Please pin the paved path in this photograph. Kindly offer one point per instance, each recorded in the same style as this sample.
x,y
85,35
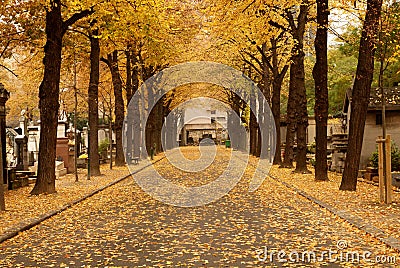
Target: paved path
x,y
124,226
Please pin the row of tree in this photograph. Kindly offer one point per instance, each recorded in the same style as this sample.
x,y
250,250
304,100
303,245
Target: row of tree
x,y
136,39
291,27
142,33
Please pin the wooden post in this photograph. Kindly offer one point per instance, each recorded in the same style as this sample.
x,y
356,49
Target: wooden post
x,y
380,142
389,188
385,169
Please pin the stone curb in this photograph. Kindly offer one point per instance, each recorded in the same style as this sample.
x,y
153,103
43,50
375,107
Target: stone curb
x,y
35,221
352,219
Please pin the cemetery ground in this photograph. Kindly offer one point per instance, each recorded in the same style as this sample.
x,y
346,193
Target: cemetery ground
x,y
124,226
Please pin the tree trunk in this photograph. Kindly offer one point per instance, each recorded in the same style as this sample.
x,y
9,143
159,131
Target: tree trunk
x,y
112,62
3,166
320,74
2,202
133,132
290,125
253,134
261,125
265,139
170,137
174,130
297,84
129,92
276,97
234,123
94,103
159,120
129,85
48,101
253,125
302,116
150,124
4,96
137,141
360,94
48,95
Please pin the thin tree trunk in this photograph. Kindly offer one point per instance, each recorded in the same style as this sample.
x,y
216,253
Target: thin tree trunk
x,y
174,137
94,102
290,125
129,123
150,124
133,133
302,116
4,96
129,85
137,140
3,166
253,125
112,62
360,94
2,201
169,131
253,134
260,115
110,135
159,120
320,74
276,97
234,128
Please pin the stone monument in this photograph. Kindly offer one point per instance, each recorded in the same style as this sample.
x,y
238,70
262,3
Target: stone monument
x,y
22,142
4,96
62,147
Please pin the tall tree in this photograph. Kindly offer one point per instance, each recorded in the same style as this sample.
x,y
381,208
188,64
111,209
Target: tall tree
x,y
119,108
320,74
278,76
290,125
299,84
93,102
49,93
4,96
297,117
360,94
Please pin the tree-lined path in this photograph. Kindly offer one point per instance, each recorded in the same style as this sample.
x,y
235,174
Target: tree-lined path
x,y
124,226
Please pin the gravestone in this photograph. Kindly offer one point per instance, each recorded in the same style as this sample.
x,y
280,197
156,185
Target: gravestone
x,y
62,146
33,144
22,143
22,152
60,169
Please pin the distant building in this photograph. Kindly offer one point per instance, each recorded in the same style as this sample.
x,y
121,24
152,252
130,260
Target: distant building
x,y
373,124
204,123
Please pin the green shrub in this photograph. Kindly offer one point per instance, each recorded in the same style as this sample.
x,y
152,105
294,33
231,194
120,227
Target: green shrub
x,y
395,158
104,146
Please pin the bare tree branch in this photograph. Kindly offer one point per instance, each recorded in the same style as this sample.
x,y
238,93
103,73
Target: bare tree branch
x,y
8,69
74,18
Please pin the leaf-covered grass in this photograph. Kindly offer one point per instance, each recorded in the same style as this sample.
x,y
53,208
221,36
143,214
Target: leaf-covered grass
x,y
21,207
363,203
